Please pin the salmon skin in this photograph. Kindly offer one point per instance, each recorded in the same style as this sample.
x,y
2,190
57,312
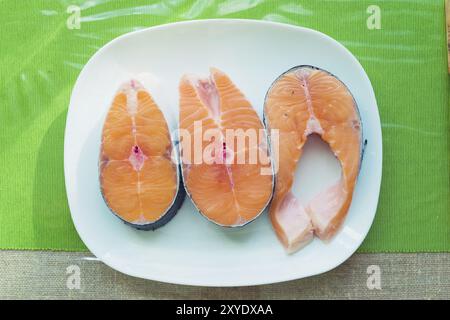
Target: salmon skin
x,y
139,177
226,190
307,100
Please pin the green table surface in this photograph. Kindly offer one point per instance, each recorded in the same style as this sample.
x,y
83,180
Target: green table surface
x,y
41,55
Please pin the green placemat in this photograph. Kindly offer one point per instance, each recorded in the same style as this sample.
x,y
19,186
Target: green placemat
x,y
401,45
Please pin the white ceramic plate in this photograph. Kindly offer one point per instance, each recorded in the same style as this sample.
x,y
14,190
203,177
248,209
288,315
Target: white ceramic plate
x,y
189,249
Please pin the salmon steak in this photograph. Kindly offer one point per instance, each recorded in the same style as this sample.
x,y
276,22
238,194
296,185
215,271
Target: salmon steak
x,y
139,179
222,147
303,101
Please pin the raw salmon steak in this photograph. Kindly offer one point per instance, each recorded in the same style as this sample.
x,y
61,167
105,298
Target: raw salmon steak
x,y
303,101
226,175
139,179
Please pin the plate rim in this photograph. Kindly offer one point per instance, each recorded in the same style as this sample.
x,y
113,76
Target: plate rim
x,y
219,282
